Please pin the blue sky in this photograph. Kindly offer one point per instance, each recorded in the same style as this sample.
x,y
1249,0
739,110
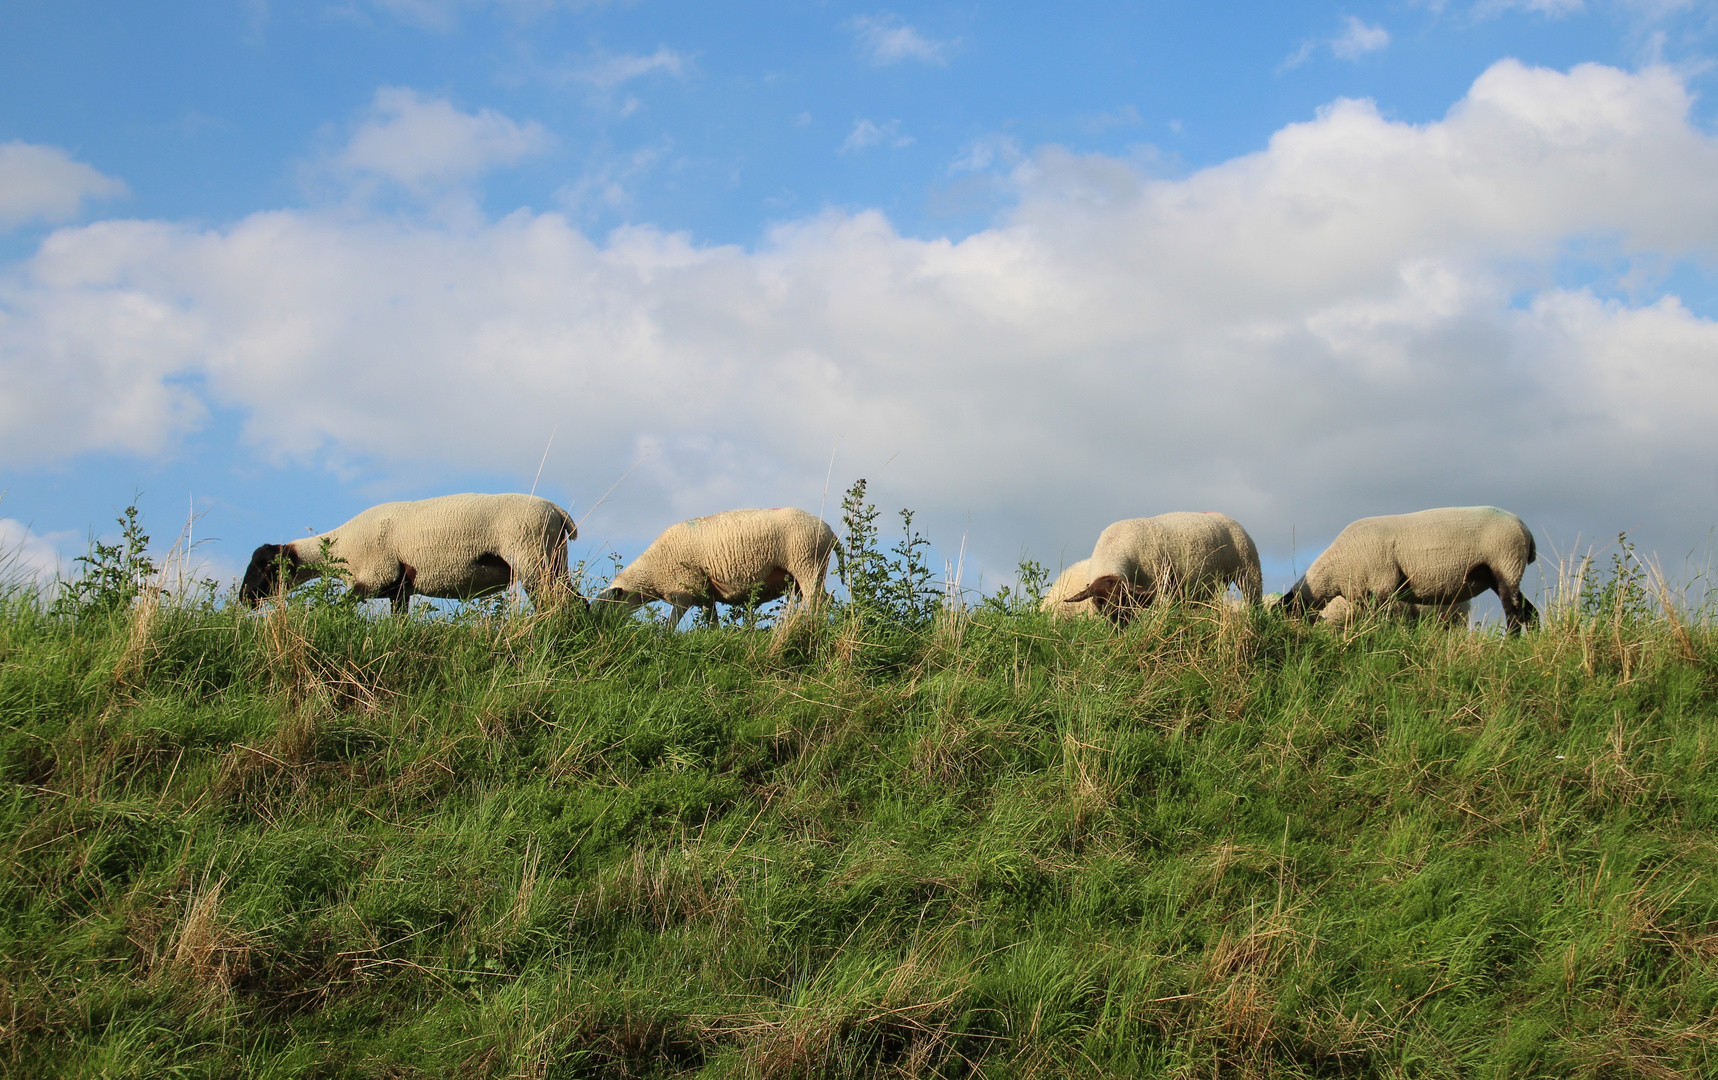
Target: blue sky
x,y
1031,271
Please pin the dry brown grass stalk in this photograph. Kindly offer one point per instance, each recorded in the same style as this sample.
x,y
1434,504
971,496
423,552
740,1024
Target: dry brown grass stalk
x,y
904,1025
1089,788
139,635
668,888
958,749
208,949
286,753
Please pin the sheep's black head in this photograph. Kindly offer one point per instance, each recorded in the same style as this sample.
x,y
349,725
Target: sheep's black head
x,y
1294,602
262,576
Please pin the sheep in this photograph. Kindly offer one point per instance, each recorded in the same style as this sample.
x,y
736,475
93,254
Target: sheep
x,y
1339,613
733,557
1440,557
1075,578
1193,555
454,546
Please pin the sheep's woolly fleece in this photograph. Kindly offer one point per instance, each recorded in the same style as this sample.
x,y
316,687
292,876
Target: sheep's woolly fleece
x,y
1197,554
729,557
1070,582
454,546
1441,557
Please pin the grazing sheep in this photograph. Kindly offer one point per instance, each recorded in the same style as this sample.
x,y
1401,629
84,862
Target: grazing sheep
x,y
456,547
1193,555
732,557
1438,557
1075,578
1339,613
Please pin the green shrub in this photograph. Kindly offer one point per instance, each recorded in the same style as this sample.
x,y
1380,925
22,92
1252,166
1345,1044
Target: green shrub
x,y
114,575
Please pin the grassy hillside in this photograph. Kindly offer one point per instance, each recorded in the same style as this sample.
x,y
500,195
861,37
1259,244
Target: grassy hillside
x,y
323,843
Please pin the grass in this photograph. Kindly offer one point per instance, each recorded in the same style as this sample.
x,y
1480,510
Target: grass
x,y
318,843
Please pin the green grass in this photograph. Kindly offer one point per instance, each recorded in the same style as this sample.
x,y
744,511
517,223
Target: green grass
x,y
320,843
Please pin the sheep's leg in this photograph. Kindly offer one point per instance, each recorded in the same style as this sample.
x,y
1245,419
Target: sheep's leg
x,y
1529,613
1127,600
676,615
400,592
1518,611
1250,585
534,572
1483,577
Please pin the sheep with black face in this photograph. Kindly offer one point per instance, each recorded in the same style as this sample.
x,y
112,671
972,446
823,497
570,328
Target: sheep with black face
x,y
1441,557
456,547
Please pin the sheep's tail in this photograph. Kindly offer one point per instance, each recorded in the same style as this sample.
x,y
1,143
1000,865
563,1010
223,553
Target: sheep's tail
x,y
1532,549
556,555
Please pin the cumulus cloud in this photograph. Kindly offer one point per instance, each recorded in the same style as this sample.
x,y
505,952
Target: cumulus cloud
x,y
608,72
609,184
1357,318
26,556
1357,39
422,143
444,15
44,183
987,152
1553,8
885,39
868,133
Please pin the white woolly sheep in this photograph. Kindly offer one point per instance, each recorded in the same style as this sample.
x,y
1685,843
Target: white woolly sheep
x,y
456,547
1339,613
732,557
1075,578
1182,554
1439,557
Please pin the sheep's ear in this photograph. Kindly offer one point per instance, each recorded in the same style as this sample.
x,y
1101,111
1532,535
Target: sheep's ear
x,y
262,559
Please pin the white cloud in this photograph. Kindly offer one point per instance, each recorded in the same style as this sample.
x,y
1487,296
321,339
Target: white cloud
x,y
608,72
26,556
1302,53
1357,39
989,151
43,183
867,133
1641,13
443,15
609,185
1555,9
1654,10
1126,116
424,143
1325,328
885,39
